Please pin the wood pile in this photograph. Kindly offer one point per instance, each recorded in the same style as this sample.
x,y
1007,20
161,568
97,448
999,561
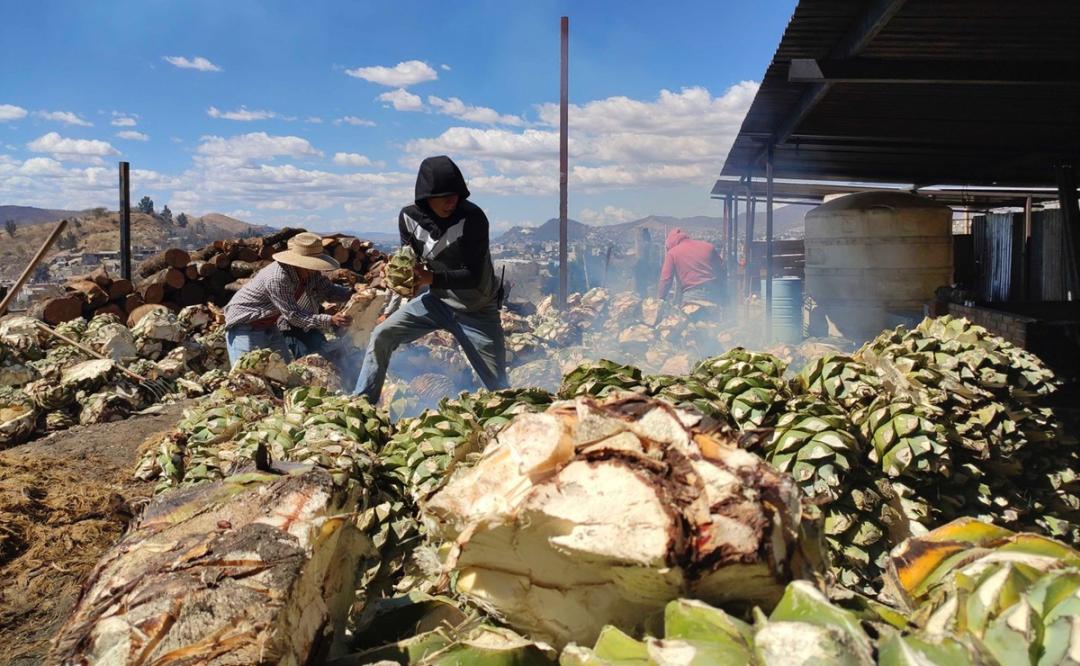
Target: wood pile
x,y
177,278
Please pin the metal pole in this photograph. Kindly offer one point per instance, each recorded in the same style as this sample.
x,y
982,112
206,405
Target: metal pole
x,y
726,224
1025,281
733,249
564,95
751,213
125,222
1070,209
768,243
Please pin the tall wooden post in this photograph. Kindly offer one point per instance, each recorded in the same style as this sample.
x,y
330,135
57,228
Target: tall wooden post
x,y
125,222
564,96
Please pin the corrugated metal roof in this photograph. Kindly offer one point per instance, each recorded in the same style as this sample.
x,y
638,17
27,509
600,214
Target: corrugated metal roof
x,y
922,132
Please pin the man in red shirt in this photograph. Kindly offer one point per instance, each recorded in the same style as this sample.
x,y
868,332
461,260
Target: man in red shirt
x,y
694,264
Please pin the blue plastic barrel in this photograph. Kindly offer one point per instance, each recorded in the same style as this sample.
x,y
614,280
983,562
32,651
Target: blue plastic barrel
x,y
787,301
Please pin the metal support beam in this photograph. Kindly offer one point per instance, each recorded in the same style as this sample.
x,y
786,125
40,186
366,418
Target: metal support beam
x,y
125,221
725,229
564,97
1070,209
951,72
733,248
875,17
750,267
768,242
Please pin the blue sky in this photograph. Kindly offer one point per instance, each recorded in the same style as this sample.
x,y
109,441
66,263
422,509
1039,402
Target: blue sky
x,y
318,113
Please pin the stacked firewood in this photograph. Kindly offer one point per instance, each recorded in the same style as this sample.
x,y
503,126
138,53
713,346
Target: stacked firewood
x,y
177,278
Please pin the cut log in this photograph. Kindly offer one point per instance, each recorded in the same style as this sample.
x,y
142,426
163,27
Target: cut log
x,y
222,261
119,289
247,254
57,310
172,278
192,293
242,269
358,263
132,301
205,253
191,272
281,236
249,570
172,258
341,254
111,308
100,276
540,540
204,268
151,292
138,313
343,276
92,295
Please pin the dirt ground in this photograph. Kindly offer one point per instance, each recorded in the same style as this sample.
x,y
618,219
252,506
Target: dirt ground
x,y
64,500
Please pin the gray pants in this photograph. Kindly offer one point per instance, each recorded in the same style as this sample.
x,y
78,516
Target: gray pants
x,y
479,333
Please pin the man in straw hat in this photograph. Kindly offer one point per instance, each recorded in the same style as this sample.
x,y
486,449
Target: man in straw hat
x,y
449,235
285,293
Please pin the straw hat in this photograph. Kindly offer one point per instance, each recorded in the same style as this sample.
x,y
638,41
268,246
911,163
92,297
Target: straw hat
x,y
306,251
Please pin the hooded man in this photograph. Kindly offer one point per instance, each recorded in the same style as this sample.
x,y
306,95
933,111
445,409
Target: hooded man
x,y
695,264
286,293
449,235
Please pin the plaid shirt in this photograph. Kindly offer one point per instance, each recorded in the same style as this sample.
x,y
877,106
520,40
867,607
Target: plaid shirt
x,y
273,291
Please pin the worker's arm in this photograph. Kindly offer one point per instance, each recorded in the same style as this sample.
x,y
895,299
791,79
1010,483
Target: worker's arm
x,y
476,249
325,290
667,272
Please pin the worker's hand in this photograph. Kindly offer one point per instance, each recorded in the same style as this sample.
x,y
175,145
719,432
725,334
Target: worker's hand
x,y
424,277
340,320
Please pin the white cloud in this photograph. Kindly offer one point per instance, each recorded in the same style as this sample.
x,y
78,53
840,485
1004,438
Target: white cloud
x,y
9,112
401,75
72,149
691,111
132,135
241,114
66,117
527,145
357,122
198,62
314,120
402,100
475,114
352,159
246,148
445,67
123,121
608,215
678,138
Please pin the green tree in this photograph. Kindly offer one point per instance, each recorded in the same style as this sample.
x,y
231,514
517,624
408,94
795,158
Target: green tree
x,y
200,228
146,205
166,214
181,220
10,226
99,212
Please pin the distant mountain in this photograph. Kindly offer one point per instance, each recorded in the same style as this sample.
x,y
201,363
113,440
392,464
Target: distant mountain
x,y
377,237
787,222
548,231
99,231
31,215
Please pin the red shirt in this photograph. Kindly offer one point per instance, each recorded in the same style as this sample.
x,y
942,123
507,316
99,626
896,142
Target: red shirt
x,y
694,262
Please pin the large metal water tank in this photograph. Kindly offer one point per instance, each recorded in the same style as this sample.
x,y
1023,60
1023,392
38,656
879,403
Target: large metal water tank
x,y
871,253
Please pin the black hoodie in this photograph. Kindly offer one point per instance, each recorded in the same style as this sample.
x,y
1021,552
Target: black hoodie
x,y
456,248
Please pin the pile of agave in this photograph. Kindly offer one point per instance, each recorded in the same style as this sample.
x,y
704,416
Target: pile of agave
x,y
944,489
49,385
